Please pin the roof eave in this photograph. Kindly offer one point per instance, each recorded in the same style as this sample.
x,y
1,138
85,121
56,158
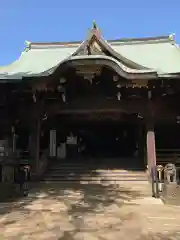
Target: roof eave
x,y
169,75
101,60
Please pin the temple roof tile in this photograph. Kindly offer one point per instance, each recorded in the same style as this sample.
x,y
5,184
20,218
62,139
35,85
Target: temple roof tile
x,y
152,54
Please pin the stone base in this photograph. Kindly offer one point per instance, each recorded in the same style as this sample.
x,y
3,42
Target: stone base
x,y
7,190
171,194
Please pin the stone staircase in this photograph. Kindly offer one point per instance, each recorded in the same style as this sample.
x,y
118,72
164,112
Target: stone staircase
x,y
92,171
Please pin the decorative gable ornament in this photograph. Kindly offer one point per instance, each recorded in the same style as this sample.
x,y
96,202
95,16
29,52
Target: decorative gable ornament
x,y
93,48
94,25
172,36
96,30
27,44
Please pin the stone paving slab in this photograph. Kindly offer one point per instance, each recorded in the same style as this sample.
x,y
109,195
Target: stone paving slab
x,y
68,212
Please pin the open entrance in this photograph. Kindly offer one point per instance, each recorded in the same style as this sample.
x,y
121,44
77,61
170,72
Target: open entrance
x,y
103,140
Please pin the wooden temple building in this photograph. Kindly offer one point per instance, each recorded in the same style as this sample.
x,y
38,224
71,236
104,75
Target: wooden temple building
x,y
119,97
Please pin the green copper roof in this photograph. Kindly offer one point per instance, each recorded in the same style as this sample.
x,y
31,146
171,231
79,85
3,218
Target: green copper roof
x,y
35,61
160,55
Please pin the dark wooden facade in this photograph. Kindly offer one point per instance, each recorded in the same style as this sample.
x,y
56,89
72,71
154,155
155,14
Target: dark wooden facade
x,y
89,90
24,106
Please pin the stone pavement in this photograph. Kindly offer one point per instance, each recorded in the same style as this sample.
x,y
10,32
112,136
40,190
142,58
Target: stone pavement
x,y
74,211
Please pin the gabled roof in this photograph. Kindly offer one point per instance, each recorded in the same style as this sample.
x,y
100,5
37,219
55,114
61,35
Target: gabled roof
x,y
158,56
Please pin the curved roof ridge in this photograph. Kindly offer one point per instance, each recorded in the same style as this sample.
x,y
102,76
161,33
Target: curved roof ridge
x,y
169,38
54,44
143,39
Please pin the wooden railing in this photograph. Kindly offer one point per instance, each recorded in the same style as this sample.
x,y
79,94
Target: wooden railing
x,y
165,156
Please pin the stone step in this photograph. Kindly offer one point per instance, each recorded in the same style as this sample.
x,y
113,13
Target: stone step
x,y
90,174
97,169
93,164
89,178
104,164
96,177
92,171
92,180
101,172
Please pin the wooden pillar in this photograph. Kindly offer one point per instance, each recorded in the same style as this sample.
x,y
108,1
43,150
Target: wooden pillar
x,y
150,137
34,144
151,147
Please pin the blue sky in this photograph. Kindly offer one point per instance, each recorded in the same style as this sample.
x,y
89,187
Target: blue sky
x,y
57,20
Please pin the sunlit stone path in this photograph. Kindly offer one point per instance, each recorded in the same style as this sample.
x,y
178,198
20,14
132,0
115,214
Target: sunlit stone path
x,y
89,211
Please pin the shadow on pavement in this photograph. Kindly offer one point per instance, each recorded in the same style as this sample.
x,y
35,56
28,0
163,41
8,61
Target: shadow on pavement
x,y
79,198
160,236
91,194
75,204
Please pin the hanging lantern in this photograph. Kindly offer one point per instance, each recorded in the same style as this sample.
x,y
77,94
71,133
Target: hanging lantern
x,y
34,98
63,97
115,78
62,80
60,88
12,129
119,96
139,116
178,119
44,117
149,94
